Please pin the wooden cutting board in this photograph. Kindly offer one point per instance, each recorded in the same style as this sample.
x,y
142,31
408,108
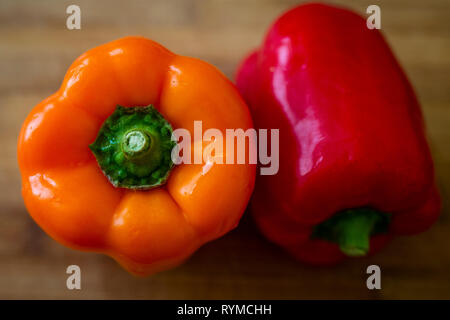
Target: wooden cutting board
x,y
35,51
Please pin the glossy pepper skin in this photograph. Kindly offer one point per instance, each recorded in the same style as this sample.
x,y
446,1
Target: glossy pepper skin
x,y
351,132
65,190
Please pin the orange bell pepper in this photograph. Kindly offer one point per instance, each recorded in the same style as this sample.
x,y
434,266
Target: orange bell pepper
x,y
150,230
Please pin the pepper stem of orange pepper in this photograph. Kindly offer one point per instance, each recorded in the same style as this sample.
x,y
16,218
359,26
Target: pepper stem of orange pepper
x,y
351,229
133,148
136,143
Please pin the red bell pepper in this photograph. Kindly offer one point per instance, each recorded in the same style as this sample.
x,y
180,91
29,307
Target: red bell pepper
x,y
355,167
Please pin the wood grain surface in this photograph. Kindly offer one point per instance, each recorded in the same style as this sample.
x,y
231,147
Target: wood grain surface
x,y
35,51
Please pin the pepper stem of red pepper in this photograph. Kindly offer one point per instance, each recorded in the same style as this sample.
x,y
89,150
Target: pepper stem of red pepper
x,y
351,229
354,234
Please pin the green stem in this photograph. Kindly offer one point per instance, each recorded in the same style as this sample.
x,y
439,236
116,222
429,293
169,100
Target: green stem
x,y
354,234
351,229
135,143
133,148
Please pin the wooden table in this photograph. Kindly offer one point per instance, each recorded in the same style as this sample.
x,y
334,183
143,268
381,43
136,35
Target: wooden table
x,y
35,51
